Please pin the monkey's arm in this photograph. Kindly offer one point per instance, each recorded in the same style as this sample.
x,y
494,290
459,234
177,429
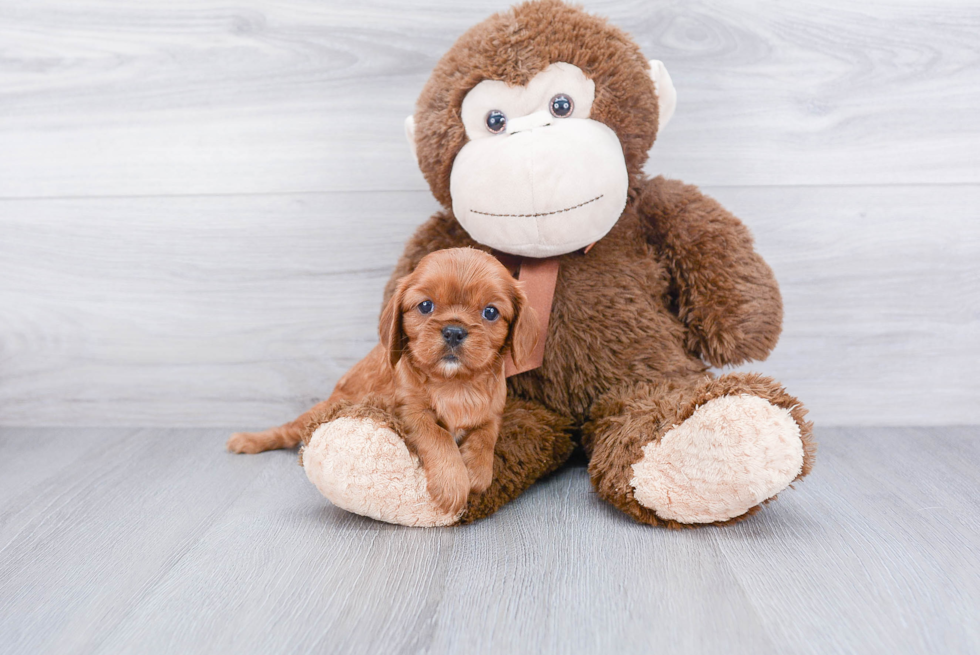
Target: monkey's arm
x,y
725,293
439,232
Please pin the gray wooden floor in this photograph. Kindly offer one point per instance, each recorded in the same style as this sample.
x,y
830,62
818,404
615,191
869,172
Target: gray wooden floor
x,y
154,540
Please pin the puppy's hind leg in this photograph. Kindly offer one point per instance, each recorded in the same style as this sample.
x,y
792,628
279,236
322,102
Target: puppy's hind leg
x,y
285,436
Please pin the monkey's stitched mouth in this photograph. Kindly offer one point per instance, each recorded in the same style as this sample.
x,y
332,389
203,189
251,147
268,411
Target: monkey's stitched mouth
x,y
557,211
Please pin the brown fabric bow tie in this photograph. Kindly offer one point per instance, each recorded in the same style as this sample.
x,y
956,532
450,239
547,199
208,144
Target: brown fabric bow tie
x,y
539,277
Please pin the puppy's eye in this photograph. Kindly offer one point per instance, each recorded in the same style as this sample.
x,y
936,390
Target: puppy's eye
x,y
561,106
426,307
490,313
496,121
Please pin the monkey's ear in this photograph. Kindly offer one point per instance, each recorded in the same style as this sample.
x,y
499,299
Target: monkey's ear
x,y
410,135
523,336
393,338
666,93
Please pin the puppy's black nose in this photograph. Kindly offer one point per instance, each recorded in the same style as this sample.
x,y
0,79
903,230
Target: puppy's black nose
x,y
453,335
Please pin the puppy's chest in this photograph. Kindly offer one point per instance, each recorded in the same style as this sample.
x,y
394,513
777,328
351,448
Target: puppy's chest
x,y
460,409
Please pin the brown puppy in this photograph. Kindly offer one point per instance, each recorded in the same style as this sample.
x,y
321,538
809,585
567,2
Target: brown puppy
x,y
445,335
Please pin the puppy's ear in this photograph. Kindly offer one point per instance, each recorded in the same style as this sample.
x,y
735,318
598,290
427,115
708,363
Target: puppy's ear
x,y
523,335
393,337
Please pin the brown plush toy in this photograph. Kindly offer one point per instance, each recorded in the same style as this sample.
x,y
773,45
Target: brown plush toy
x,y
532,132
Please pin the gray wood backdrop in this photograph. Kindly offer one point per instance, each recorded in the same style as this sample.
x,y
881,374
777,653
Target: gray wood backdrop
x,y
200,201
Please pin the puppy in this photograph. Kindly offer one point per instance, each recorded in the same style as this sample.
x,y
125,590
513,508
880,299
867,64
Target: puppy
x,y
445,335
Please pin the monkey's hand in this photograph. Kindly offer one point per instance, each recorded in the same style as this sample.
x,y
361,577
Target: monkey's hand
x,y
726,294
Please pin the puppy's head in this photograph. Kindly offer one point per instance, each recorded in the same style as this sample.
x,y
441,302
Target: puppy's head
x,y
457,314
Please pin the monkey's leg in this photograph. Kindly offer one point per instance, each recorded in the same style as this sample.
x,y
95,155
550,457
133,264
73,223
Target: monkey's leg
x,y
688,452
359,461
533,442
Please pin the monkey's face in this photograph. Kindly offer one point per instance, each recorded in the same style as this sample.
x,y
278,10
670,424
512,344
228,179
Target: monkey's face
x,y
533,124
537,177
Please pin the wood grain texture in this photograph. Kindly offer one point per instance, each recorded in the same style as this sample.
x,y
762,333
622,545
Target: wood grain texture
x,y
177,305
158,541
103,97
200,202
246,310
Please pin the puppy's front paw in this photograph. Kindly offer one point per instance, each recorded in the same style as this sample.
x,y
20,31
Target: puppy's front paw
x,y
479,468
449,487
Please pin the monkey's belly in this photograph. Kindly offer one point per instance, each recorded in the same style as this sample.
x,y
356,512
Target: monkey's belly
x,y
610,325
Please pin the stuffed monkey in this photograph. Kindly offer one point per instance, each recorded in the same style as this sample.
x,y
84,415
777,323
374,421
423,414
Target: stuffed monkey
x,y
532,133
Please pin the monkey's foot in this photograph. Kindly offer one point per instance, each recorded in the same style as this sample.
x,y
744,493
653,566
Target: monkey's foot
x,y
367,469
731,454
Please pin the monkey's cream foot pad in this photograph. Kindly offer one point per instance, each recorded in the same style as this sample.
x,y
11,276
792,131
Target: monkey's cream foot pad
x,y
367,469
733,453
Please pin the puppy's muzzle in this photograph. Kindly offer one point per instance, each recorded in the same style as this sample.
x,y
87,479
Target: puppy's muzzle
x,y
453,335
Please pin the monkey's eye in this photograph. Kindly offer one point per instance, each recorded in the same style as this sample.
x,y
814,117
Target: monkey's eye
x,y
496,121
425,307
561,106
490,313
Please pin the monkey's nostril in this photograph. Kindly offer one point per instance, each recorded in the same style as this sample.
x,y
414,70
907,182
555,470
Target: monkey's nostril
x,y
453,335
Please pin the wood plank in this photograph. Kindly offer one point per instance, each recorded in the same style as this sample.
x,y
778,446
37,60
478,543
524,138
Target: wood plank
x,y
883,544
178,301
881,289
103,98
88,543
572,572
281,573
245,310
34,468
161,542
30,461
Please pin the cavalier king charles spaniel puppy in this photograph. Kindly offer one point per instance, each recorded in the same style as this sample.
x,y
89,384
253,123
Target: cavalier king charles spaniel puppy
x,y
445,335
